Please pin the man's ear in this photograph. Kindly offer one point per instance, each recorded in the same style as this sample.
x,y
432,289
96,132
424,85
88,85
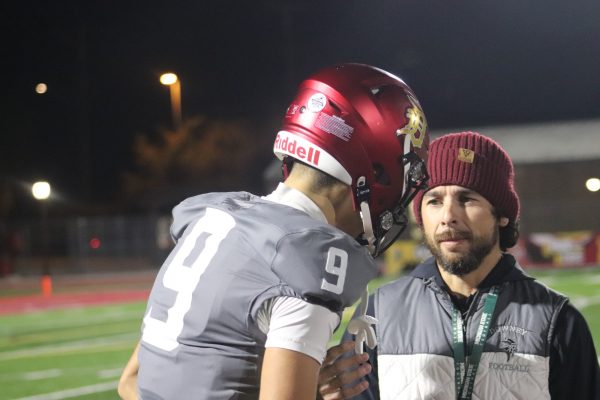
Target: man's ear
x,y
503,222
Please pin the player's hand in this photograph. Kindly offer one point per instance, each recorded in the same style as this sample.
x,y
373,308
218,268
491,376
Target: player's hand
x,y
337,372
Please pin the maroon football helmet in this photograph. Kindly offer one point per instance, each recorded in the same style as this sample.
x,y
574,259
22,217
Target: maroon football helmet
x,y
365,127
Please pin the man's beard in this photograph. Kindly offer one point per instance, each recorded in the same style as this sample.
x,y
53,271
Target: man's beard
x,y
461,265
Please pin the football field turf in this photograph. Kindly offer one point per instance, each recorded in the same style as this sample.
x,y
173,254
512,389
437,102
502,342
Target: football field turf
x,y
78,353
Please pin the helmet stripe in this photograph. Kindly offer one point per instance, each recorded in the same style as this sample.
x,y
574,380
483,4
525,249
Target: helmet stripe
x,y
287,143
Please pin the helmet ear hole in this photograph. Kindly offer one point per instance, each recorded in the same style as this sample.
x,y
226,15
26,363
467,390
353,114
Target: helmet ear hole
x,y
381,177
335,107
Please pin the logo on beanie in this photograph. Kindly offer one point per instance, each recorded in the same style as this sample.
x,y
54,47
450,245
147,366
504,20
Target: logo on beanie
x,y
416,127
466,155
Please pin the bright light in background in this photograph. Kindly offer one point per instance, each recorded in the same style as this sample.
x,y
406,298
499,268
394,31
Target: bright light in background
x,y
593,184
41,190
41,88
95,243
168,78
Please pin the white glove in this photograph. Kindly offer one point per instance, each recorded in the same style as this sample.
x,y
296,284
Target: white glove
x,y
362,326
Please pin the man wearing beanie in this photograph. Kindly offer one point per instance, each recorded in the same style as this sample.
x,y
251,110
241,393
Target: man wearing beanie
x,y
468,323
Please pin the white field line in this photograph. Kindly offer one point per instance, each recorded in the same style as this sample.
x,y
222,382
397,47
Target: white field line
x,y
554,280
78,319
579,302
547,280
110,373
69,346
55,372
583,302
75,392
44,374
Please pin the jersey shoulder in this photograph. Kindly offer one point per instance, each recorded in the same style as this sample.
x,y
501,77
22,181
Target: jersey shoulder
x,y
194,207
324,265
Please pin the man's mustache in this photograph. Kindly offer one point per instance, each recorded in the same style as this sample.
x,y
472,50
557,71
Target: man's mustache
x,y
452,234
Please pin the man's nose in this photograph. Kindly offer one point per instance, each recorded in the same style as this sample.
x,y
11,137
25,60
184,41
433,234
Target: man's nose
x,y
450,212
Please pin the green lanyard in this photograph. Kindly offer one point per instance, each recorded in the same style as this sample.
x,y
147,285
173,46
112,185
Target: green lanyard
x,y
465,368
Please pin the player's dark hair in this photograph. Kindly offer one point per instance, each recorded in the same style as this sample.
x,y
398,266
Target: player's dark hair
x,y
320,179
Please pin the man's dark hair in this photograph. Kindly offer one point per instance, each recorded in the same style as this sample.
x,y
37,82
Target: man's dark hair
x,y
509,234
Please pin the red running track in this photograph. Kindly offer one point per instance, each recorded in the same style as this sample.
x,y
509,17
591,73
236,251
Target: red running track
x,y
24,304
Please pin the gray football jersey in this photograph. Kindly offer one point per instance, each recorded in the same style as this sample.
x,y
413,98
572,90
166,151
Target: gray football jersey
x,y
200,338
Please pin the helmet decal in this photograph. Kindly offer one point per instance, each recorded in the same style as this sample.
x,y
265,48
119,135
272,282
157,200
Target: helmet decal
x,y
316,102
416,127
291,110
334,125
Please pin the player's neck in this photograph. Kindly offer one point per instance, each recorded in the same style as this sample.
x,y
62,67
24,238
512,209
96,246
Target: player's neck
x,y
321,200
466,285
324,204
334,201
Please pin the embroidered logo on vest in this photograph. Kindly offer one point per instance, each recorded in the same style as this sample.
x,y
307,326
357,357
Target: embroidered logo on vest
x,y
509,346
509,338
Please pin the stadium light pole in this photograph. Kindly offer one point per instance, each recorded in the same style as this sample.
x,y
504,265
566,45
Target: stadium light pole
x,y
172,81
41,191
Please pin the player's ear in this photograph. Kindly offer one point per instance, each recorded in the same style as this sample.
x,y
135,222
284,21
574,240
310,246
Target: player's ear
x,y
503,221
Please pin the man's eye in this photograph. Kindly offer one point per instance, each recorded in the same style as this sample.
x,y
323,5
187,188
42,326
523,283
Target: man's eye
x,y
432,202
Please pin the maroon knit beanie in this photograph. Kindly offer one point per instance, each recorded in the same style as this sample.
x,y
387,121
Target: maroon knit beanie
x,y
476,162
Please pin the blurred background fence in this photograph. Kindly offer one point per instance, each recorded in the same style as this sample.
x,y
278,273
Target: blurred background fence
x,y
85,244
132,243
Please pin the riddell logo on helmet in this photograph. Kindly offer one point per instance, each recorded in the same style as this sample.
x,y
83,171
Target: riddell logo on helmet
x,y
291,146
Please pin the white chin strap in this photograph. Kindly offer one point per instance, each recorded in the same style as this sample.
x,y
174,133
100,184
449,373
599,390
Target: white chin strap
x,y
367,226
362,326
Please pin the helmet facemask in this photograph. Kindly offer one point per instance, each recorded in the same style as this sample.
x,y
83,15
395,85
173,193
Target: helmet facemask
x,y
390,223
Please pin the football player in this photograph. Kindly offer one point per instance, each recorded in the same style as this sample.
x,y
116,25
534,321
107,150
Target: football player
x,y
244,306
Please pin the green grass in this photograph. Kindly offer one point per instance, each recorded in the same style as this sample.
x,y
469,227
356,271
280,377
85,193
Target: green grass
x,y
583,289
45,352
60,350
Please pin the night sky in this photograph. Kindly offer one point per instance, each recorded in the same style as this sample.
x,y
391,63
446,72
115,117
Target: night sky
x,y
470,63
